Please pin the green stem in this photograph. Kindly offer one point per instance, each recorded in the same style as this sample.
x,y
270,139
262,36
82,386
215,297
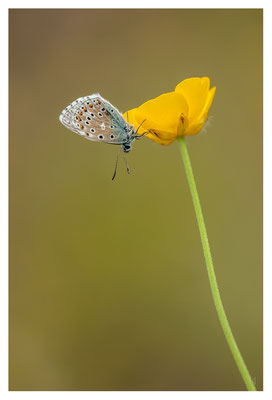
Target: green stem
x,y
211,273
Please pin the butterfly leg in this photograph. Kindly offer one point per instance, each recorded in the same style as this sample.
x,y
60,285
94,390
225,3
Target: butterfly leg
x,y
142,134
140,126
128,170
116,163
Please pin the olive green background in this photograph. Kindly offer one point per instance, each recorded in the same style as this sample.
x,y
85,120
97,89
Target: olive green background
x,y
108,286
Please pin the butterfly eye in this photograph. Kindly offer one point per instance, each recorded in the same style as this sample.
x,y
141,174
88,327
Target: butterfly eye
x,y
101,137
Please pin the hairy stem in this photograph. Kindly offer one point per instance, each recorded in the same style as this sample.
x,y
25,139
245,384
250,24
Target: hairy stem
x,y
211,272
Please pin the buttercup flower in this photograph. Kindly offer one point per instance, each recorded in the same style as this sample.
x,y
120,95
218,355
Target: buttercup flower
x,y
173,116
180,113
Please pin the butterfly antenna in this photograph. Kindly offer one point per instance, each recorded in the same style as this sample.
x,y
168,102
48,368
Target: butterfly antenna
x,y
116,163
128,170
127,118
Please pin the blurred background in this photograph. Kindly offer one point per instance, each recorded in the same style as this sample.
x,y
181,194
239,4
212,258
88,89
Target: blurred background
x,y
108,285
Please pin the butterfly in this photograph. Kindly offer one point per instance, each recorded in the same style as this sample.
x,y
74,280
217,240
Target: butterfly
x,y
96,119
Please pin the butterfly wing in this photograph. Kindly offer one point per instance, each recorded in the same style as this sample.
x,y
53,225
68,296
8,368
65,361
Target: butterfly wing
x,y
96,119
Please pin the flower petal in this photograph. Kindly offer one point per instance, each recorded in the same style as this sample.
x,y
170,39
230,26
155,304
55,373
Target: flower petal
x,y
131,118
195,90
163,113
209,100
165,116
159,137
199,98
196,125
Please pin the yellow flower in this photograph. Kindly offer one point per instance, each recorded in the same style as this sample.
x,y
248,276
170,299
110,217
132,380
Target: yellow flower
x,y
179,113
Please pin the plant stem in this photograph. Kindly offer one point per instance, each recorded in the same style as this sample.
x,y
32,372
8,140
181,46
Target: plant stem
x,y
211,273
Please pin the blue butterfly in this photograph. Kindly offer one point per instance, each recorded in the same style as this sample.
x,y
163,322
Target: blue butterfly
x,y
96,119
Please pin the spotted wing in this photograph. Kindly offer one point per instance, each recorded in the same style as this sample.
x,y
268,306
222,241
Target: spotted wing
x,y
95,119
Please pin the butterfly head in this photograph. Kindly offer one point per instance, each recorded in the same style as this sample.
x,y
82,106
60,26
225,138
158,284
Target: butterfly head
x,y
127,146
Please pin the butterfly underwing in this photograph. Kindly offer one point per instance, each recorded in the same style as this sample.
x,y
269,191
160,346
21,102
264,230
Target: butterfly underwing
x,y
96,119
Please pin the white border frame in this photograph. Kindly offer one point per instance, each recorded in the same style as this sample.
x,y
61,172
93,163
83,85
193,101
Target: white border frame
x,y
267,195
